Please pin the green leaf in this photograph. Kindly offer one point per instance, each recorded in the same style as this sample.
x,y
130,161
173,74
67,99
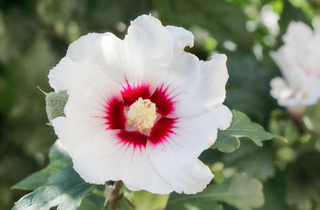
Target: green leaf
x,y
249,157
65,189
144,200
224,20
124,204
59,160
55,103
239,191
241,126
282,124
92,202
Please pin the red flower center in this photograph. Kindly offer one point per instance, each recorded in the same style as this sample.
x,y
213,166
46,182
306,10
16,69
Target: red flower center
x,y
115,117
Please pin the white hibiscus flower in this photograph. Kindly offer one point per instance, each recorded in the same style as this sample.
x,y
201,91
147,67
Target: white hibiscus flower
x,y
141,110
299,62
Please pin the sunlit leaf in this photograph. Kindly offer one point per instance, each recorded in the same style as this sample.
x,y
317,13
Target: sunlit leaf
x,y
241,126
239,191
65,189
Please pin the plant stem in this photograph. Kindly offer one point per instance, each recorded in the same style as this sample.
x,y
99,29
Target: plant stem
x,y
115,195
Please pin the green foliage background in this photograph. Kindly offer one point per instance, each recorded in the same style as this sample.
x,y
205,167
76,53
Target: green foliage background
x,y
34,36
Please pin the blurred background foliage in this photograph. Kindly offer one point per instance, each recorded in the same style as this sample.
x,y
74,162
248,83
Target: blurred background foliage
x,y
35,34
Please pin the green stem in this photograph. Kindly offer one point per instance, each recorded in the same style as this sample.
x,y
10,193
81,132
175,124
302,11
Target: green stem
x,y
115,195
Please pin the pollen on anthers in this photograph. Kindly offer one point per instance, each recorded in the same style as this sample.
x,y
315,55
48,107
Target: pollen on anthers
x,y
142,114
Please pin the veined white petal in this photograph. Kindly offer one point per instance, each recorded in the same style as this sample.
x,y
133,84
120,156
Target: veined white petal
x,y
183,144
89,101
83,54
68,134
181,37
195,86
90,93
185,174
142,56
104,156
67,73
86,49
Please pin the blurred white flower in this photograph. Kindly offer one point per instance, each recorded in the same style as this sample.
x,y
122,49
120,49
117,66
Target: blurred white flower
x,y
141,110
270,19
299,62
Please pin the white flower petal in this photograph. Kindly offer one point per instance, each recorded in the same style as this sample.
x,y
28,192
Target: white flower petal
x,y
141,57
181,37
281,60
297,35
90,94
89,102
186,175
105,157
194,86
68,134
280,90
298,90
312,58
298,60
172,153
86,49
83,55
67,73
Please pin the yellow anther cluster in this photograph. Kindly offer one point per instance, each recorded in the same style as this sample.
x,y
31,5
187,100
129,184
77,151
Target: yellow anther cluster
x,y
142,113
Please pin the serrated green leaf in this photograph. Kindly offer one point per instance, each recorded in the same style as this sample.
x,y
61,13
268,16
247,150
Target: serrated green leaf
x,y
239,191
241,126
65,189
224,20
59,160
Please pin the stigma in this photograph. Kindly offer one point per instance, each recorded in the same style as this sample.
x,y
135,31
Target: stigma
x,y
142,114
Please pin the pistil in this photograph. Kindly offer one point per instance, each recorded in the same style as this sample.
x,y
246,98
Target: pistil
x,y
142,114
